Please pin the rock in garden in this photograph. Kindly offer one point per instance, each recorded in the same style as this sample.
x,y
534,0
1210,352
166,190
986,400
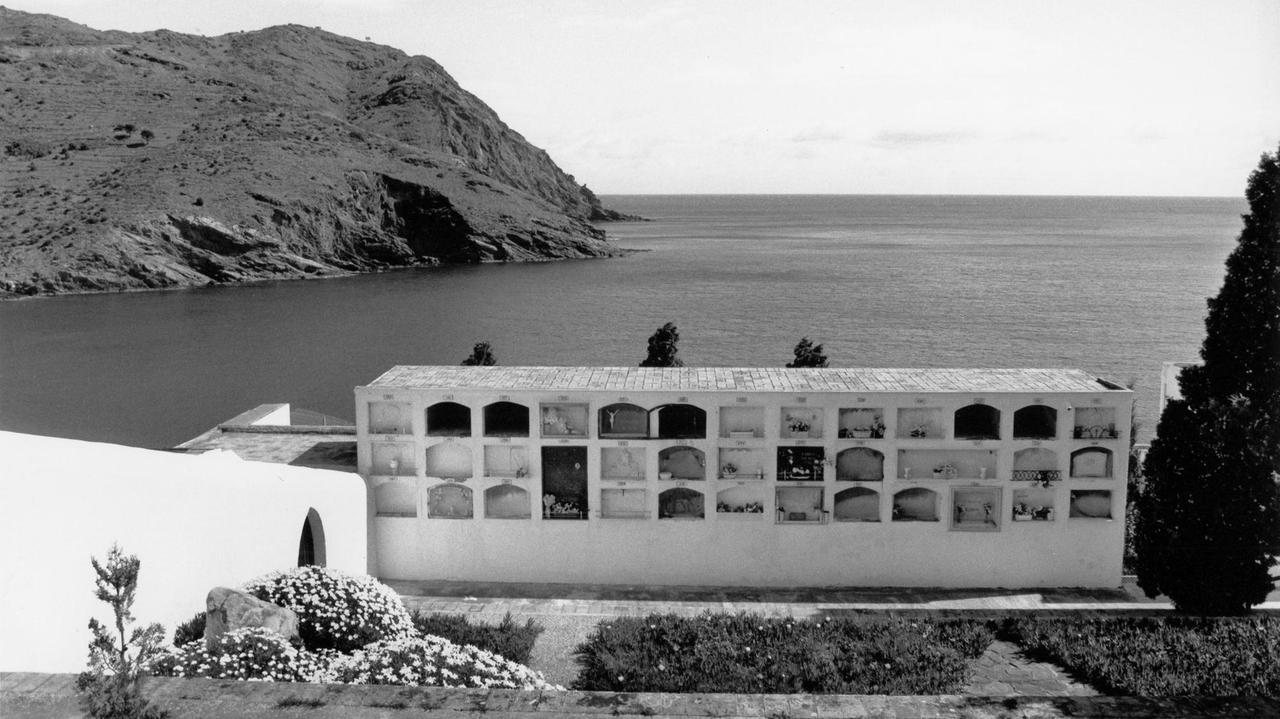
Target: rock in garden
x,y
229,609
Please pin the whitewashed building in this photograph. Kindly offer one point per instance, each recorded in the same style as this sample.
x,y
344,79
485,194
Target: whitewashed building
x,y
753,476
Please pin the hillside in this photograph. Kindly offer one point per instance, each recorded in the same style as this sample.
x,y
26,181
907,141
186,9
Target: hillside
x,y
149,160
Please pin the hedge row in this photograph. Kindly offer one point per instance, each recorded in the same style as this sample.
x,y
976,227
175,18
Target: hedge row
x,y
748,653
1160,656
507,639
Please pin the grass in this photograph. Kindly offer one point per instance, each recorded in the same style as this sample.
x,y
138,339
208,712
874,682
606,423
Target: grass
x,y
299,702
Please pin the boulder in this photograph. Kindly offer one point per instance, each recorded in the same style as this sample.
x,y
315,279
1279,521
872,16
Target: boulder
x,y
228,609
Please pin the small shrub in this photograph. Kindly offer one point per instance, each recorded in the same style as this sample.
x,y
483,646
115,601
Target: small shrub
x,y
508,639
1161,656
189,631
115,697
336,610
432,661
119,654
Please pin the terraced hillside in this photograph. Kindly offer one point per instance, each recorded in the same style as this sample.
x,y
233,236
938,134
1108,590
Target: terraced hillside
x,y
148,160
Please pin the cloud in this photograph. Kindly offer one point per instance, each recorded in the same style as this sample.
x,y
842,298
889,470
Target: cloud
x,y
909,139
818,134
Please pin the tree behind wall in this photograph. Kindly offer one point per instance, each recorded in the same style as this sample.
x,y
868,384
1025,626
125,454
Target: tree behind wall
x,y
808,354
481,356
1208,529
664,350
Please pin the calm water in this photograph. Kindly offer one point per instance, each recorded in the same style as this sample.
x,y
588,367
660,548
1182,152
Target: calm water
x,y
1115,286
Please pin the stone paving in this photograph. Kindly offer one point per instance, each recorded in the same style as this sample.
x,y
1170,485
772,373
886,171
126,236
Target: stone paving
x,y
1005,671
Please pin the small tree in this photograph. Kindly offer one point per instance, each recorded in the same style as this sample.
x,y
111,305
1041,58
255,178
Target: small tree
x,y
119,655
1208,529
481,356
664,350
808,354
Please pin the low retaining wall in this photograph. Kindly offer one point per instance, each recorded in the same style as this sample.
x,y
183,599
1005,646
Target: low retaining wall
x,y
53,695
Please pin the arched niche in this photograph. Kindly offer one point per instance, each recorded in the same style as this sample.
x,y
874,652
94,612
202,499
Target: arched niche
x,y
740,500
622,463
389,418
799,504
1091,462
857,504
311,545
506,419
683,463
681,503
449,501
977,421
449,460
1035,421
396,498
860,464
1089,504
681,421
1035,464
448,419
507,501
393,458
915,505
624,420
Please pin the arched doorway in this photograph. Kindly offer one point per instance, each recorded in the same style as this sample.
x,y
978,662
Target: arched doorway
x,y
311,544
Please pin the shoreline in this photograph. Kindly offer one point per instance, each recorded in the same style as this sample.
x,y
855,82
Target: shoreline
x,y
621,252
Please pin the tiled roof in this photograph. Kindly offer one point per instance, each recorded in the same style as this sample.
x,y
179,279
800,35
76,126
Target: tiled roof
x,y
740,379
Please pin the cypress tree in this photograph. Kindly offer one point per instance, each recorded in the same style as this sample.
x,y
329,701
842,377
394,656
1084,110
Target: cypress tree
x,y
1208,530
664,350
481,356
808,354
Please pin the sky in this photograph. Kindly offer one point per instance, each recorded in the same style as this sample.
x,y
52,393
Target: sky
x,y
1159,97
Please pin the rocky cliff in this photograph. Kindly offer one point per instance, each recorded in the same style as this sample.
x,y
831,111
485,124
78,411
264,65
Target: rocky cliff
x,y
148,160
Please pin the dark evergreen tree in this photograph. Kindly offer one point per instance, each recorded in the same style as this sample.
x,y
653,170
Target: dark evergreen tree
x,y
481,356
808,354
1209,517
664,350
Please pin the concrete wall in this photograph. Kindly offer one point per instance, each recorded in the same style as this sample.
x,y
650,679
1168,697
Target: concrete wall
x,y
760,549
194,521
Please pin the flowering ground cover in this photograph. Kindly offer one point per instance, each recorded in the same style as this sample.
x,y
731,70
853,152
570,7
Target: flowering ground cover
x,y
748,653
1161,656
354,630
336,610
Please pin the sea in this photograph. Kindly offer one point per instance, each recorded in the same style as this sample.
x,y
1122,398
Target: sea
x,y
1112,285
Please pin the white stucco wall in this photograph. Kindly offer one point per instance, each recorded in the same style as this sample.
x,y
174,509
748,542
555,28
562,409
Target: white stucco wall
x,y
194,521
746,550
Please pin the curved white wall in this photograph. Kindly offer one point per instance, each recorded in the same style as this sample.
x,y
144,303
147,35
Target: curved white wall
x,y
195,521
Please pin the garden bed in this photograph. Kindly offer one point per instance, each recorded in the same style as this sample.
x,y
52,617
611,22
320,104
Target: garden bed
x,y
748,653
1160,656
1136,654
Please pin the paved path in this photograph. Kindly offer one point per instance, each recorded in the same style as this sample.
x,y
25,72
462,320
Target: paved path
x,y
1003,670
51,696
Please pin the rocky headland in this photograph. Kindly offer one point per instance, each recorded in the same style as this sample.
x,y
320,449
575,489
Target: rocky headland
x,y
158,160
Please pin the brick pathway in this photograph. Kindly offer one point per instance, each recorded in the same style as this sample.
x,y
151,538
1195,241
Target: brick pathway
x,y
1005,671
